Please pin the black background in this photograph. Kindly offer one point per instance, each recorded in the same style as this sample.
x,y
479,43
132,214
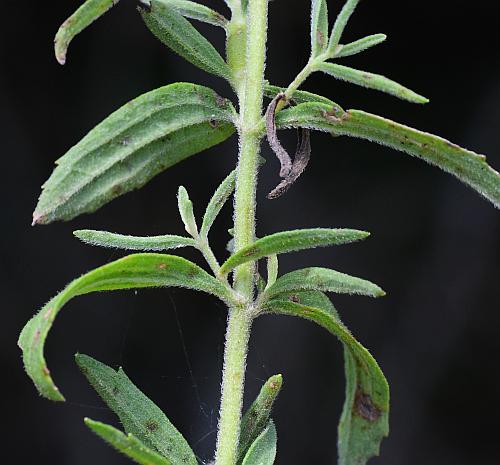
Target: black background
x,y
435,244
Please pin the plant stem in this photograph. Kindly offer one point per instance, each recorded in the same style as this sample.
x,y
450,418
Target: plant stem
x,y
240,319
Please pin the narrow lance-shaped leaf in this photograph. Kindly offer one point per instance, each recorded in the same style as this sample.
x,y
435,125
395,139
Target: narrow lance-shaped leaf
x,y
319,27
77,22
467,166
360,45
272,269
365,417
257,417
128,445
177,33
139,415
195,11
299,96
290,241
120,241
370,81
325,280
263,449
186,212
134,271
134,144
220,197
340,24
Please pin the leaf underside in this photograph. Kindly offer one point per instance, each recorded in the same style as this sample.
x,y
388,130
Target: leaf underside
x,y
365,417
196,11
132,272
140,140
263,449
139,415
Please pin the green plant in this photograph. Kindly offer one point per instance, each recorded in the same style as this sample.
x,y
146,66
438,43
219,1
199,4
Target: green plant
x,y
169,124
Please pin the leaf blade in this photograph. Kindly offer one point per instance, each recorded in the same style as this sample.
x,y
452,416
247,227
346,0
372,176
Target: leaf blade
x,y
365,416
135,271
128,445
90,11
360,45
290,241
465,165
140,140
319,27
263,449
340,24
124,242
186,212
195,11
177,33
325,280
371,81
139,415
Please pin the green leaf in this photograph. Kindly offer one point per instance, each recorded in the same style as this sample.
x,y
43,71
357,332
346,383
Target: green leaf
x,y
139,415
323,279
134,144
119,241
77,22
128,445
467,166
299,96
319,27
370,81
195,11
340,24
135,271
177,33
290,241
186,211
272,269
220,197
257,417
263,449
360,45
365,417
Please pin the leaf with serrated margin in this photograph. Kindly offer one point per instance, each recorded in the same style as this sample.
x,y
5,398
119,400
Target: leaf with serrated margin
x,y
120,241
365,417
319,27
291,241
360,45
258,415
138,414
77,22
299,96
140,140
177,33
469,167
325,280
370,81
132,272
220,197
193,10
340,24
263,449
127,444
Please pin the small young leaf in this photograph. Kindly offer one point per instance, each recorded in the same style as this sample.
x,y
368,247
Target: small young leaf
x,y
263,449
340,24
140,140
299,96
186,211
177,33
195,11
128,445
467,166
370,81
77,22
119,241
258,415
272,269
319,27
139,415
220,197
365,417
360,45
325,280
291,241
135,271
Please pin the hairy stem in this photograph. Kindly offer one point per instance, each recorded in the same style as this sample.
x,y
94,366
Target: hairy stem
x,y
239,323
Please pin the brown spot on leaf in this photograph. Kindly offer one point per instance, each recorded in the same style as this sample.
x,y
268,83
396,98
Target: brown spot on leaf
x,y
294,298
213,123
162,266
151,426
46,371
365,408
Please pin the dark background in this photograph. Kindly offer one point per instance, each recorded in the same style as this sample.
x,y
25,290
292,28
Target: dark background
x,y
435,244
